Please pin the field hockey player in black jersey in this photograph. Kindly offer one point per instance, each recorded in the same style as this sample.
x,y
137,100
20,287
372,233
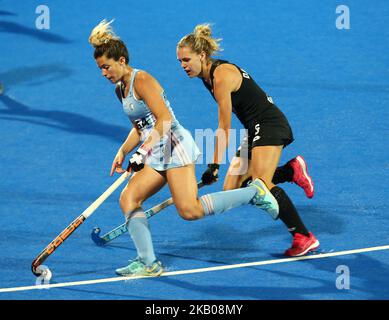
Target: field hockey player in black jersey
x,y
268,132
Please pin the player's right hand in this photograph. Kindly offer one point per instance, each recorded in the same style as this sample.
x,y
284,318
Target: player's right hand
x,y
117,163
137,160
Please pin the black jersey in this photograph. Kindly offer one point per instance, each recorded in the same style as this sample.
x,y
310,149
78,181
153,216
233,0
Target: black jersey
x,y
249,102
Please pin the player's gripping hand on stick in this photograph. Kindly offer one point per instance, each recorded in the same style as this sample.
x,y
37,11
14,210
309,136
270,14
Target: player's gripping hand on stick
x,y
211,174
137,160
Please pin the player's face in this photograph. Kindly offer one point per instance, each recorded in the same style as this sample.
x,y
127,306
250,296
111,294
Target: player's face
x,y
110,69
190,61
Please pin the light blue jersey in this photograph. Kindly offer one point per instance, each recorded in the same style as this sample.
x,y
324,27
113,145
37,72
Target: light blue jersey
x,y
139,113
176,149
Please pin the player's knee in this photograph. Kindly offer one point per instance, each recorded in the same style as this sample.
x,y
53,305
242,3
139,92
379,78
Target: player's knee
x,y
189,212
127,201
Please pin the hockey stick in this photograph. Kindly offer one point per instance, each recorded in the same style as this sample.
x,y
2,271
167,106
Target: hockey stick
x,y
118,231
75,224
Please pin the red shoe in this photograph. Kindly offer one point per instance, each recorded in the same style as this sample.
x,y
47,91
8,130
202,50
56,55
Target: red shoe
x,y
301,176
302,245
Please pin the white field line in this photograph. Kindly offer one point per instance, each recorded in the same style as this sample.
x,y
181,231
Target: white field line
x,y
191,271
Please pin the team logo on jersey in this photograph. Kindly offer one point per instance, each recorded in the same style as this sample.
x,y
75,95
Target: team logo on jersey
x,y
245,74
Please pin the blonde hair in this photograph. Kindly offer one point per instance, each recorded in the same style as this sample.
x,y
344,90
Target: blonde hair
x,y
102,33
201,40
107,43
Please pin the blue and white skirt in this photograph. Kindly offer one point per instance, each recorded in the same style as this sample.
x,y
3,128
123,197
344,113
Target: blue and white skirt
x,y
176,149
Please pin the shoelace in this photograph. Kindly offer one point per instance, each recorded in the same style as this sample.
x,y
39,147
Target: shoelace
x,y
135,264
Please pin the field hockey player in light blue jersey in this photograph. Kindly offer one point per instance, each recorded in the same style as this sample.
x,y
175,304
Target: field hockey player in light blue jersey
x,y
166,153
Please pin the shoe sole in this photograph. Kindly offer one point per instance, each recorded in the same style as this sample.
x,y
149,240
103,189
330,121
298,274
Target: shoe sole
x,y
312,247
140,275
304,166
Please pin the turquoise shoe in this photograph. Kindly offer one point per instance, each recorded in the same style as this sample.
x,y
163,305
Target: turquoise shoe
x,y
138,268
264,198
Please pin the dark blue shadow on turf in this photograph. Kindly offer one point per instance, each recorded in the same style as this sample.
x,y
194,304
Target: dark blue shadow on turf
x,y
371,274
6,13
211,245
42,35
254,291
368,278
35,75
61,120
102,294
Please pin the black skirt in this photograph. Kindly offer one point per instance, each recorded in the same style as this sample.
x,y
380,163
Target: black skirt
x,y
270,129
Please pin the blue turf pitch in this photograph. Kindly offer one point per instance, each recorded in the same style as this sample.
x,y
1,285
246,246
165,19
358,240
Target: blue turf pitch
x,y
61,126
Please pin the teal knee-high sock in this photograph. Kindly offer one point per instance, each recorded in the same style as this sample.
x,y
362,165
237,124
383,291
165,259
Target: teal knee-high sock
x,y
139,230
219,202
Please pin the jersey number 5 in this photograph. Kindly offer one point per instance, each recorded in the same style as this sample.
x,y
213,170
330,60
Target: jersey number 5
x,y
256,134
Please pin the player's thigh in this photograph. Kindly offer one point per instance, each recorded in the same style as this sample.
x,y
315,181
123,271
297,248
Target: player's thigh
x,y
183,187
264,161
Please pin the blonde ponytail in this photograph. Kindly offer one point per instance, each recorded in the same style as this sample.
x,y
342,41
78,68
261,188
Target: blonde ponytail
x,y
201,40
203,30
102,34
